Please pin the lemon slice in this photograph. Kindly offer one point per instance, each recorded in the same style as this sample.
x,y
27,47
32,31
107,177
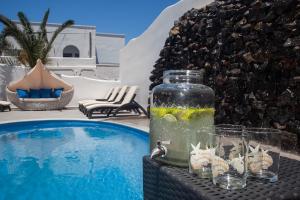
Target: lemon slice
x,y
195,113
170,118
159,111
172,114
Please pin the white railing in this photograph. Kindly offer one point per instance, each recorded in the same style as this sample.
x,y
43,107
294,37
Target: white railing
x,y
75,67
9,60
73,62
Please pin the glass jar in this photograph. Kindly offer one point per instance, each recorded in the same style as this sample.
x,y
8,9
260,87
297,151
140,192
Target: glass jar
x,y
180,107
264,155
229,164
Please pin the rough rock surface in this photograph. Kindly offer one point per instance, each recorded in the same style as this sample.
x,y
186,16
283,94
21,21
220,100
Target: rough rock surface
x,y
250,50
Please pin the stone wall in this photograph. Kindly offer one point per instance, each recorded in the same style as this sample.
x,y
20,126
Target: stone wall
x,y
250,51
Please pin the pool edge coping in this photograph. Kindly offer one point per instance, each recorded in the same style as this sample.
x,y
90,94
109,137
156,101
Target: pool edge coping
x,y
144,129
141,128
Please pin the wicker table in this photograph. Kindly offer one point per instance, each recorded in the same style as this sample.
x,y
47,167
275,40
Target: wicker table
x,y
166,182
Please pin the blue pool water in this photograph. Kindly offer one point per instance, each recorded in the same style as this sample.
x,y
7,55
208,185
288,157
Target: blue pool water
x,y
71,160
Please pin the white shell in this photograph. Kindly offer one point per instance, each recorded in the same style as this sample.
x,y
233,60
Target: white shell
x,y
254,151
238,164
259,160
234,152
201,158
219,166
254,160
267,160
254,165
198,162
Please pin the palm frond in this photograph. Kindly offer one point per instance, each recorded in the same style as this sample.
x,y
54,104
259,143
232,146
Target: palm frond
x,y
4,44
43,31
7,22
11,29
33,46
26,25
65,25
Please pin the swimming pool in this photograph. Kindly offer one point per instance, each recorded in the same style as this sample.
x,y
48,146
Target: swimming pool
x,y
66,159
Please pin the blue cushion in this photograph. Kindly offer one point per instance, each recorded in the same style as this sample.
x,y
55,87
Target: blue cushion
x,y
57,92
45,92
22,93
33,93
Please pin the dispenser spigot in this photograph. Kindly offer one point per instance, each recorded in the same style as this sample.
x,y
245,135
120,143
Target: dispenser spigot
x,y
159,151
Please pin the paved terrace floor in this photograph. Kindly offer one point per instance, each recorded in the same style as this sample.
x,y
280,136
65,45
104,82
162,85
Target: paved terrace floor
x,y
141,122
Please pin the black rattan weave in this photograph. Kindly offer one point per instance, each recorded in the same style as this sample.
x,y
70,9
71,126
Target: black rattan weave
x,y
167,182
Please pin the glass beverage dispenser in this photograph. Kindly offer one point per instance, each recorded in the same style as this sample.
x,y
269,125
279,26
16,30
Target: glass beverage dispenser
x,y
180,108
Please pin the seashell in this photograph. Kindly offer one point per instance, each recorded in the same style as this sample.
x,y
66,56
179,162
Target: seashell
x,y
195,164
219,166
267,160
201,158
258,161
235,150
238,164
254,159
220,151
196,149
254,151
198,162
255,165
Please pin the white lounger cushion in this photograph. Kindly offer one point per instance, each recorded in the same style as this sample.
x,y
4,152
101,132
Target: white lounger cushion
x,y
131,92
93,100
87,101
111,98
90,102
114,94
118,98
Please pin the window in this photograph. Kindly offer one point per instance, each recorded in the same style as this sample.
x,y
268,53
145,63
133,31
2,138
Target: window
x,y
71,52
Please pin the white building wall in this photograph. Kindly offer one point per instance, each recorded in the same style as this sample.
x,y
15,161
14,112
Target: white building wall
x,y
136,58
108,47
139,55
87,88
76,36
85,39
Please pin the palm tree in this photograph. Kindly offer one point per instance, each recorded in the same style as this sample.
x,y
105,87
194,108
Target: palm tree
x,y
4,44
34,45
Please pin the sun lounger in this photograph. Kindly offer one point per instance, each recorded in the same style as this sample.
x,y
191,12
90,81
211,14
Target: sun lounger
x,y
117,100
4,105
106,97
112,98
128,103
